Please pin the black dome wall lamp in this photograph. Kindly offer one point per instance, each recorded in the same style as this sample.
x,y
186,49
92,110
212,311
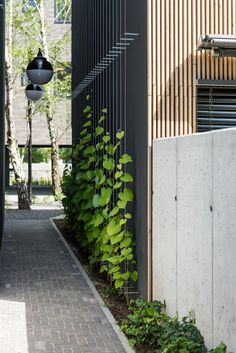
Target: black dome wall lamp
x,y
39,70
34,92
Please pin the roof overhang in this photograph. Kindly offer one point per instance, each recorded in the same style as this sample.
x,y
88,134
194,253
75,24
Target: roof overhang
x,y
221,45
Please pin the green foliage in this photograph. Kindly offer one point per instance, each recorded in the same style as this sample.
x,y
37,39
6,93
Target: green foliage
x,y
96,196
149,324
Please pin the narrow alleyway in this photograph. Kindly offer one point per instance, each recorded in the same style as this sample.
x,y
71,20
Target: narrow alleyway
x,y
46,304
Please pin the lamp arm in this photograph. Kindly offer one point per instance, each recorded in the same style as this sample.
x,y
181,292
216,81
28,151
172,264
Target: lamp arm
x,y
67,67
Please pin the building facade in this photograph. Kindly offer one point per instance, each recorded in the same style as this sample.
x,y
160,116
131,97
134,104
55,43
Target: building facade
x,y
2,117
140,60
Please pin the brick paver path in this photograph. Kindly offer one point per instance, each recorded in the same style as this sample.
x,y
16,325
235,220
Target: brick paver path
x,y
45,303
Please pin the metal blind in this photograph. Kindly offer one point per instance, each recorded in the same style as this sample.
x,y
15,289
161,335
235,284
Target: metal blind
x,y
216,108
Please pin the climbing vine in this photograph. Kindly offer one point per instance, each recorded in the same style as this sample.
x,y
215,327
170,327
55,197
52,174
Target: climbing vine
x,y
96,198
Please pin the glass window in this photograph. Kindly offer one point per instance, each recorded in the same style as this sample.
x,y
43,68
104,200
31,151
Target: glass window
x,y
62,11
32,3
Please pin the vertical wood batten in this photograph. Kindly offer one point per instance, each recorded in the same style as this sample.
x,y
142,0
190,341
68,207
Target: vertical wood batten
x,y
163,66
176,27
167,69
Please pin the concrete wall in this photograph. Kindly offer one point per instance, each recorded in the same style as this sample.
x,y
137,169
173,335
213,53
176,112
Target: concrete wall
x,y
194,230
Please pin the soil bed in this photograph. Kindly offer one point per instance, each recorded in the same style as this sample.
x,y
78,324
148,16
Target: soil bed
x,y
116,303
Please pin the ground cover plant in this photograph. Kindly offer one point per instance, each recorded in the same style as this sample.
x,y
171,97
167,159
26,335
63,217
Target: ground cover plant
x,y
96,197
148,323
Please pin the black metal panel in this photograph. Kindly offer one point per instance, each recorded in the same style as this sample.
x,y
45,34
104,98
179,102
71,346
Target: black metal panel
x,y
2,116
109,54
216,108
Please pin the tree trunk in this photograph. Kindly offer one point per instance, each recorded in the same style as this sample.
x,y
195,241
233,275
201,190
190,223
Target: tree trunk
x,y
56,180
14,154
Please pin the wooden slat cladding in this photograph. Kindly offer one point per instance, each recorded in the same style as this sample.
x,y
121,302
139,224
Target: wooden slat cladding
x,y
176,63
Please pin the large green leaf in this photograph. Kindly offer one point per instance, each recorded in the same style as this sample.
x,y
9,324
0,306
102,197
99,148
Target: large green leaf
x,y
126,158
89,150
109,164
113,227
118,174
88,193
126,195
125,243
117,185
96,200
99,130
134,276
127,178
98,219
126,251
114,211
105,196
119,283
121,204
101,119
106,138
120,134
116,238
87,109
89,123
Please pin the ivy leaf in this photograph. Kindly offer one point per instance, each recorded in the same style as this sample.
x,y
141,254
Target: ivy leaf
x,y
125,276
119,283
96,200
118,174
110,149
88,124
127,178
83,132
98,220
106,138
119,166
101,119
121,204
126,251
128,216
126,158
99,130
129,257
116,275
126,195
113,228
103,268
110,182
114,260
102,180
117,238
114,269
134,276
87,109
89,150
117,185
104,110
105,197
105,257
120,134
125,243
114,212
123,221
109,164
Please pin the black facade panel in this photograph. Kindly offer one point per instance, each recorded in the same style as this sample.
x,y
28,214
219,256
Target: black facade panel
x,y
109,54
2,116
136,93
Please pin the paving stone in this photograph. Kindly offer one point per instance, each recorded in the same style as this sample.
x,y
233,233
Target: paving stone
x,y
46,305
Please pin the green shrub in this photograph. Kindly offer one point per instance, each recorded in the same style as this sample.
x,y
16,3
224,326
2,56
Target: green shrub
x,y
149,324
96,197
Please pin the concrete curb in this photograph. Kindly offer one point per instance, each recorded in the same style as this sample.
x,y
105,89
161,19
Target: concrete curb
x,y
123,339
